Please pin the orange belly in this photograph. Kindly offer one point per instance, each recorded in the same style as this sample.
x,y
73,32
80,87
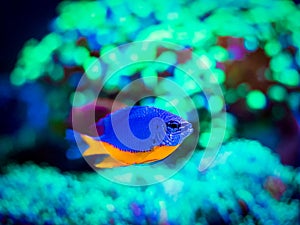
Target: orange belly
x,y
116,157
157,153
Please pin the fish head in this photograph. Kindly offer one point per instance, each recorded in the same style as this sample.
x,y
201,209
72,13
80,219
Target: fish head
x,y
176,129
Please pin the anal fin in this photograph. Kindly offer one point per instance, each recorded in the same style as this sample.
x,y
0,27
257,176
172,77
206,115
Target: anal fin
x,y
110,162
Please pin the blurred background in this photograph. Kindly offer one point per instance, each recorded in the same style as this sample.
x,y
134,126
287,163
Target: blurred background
x,y
251,47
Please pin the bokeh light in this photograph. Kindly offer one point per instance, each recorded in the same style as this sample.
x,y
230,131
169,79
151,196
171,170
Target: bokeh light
x,y
251,48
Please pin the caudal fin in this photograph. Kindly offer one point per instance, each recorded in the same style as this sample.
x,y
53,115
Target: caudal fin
x,y
83,145
91,148
77,145
95,147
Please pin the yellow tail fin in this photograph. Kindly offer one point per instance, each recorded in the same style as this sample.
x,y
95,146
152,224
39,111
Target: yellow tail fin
x,y
95,147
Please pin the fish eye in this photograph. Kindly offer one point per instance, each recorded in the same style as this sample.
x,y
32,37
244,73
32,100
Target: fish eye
x,y
173,125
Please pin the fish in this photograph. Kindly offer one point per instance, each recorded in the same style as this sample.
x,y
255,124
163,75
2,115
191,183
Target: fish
x,y
134,135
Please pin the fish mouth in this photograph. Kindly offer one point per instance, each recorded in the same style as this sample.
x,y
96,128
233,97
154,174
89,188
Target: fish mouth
x,y
186,129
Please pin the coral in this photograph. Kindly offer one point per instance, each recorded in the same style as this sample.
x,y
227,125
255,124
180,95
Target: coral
x,y
235,190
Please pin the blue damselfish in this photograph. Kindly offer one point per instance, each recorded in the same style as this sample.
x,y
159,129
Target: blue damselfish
x,y
135,135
